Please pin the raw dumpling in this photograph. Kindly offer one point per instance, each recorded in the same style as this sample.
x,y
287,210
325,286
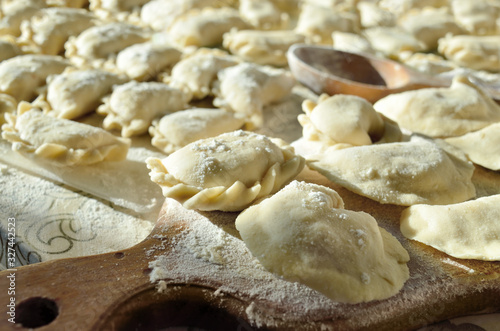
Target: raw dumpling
x,y
145,60
78,92
7,105
228,172
474,52
430,24
351,42
20,76
14,12
317,23
392,41
48,30
467,230
441,112
246,88
115,6
176,130
400,173
160,14
345,120
304,234
481,147
263,15
478,17
133,106
262,47
103,41
61,141
205,28
198,71
372,15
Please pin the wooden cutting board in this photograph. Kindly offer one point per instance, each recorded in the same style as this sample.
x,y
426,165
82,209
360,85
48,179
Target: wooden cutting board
x,y
114,292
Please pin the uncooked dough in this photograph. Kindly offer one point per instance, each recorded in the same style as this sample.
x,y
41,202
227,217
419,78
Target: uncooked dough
x,y
62,141
474,52
442,112
303,233
176,130
133,106
467,230
227,172
401,173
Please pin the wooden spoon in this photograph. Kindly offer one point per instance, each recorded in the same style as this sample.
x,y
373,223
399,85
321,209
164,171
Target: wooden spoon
x,y
326,70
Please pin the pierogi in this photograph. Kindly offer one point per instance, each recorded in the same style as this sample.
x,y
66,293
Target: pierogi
x,y
228,172
303,233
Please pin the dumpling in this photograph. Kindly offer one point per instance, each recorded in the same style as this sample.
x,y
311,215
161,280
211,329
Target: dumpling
x,y
429,25
48,30
400,173
263,15
351,42
392,41
103,41
228,172
441,112
160,14
372,15
198,71
262,47
428,63
176,130
8,48
61,141
7,105
76,92
145,60
317,23
205,28
14,12
133,106
474,52
304,234
477,17
345,120
22,75
115,6
247,88
467,230
481,147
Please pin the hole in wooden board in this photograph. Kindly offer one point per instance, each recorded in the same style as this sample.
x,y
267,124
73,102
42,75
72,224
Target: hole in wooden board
x,y
36,312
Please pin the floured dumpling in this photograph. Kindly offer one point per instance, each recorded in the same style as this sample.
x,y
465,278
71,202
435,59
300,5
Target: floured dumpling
x,y
247,88
430,24
20,76
78,92
160,14
115,6
263,14
351,42
262,47
198,71
304,234
345,120
478,17
61,141
14,12
133,106
467,230
48,30
401,173
392,41
317,23
176,130
441,112
372,15
8,48
145,60
228,172
7,105
429,63
481,147
205,28
474,52
102,41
